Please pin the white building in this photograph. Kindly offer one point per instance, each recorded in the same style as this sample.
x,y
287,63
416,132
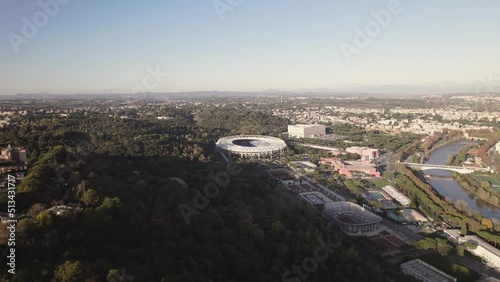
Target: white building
x,y
483,250
425,272
497,147
306,130
402,199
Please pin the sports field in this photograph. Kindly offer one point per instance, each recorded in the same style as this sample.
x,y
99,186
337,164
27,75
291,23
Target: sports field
x,y
391,242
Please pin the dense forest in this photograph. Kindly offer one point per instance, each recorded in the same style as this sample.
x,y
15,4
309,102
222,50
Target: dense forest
x,y
241,121
129,182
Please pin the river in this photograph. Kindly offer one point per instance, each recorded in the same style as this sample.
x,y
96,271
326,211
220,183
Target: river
x,y
448,187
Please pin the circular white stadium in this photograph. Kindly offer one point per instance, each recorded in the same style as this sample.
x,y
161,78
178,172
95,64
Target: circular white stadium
x,y
251,145
351,218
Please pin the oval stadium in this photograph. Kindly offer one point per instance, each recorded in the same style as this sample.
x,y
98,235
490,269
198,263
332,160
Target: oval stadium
x,y
351,218
251,145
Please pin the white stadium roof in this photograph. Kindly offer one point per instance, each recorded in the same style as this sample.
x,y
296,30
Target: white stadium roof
x,y
251,144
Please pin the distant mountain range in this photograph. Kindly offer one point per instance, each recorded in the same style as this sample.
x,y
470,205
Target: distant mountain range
x,y
348,90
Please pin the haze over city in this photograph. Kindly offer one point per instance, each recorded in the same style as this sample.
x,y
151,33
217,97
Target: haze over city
x,y
105,46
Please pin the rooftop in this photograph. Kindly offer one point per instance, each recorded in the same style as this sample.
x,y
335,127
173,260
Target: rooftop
x,y
315,198
306,125
428,271
455,233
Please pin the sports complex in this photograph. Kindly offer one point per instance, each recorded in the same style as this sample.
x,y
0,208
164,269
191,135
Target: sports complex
x,y
251,146
351,218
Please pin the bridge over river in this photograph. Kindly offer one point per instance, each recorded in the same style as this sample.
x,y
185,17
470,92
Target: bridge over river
x,y
459,169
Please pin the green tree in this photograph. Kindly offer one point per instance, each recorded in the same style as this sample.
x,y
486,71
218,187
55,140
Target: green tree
x,y
70,271
259,234
36,180
485,184
91,198
109,205
470,246
45,218
443,247
486,222
35,210
277,227
463,230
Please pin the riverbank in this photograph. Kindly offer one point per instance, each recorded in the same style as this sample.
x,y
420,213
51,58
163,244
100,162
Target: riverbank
x,y
480,190
471,185
434,204
438,145
446,186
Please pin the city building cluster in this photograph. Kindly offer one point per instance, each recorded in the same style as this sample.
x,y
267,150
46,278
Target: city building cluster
x,y
426,120
15,155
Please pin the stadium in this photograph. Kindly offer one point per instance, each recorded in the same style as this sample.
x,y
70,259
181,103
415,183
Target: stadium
x,y
351,218
251,146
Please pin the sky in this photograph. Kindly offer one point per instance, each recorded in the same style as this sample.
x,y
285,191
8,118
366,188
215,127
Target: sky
x,y
125,46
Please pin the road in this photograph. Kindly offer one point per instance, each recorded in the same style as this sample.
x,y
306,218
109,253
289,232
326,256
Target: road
x,y
398,228
476,266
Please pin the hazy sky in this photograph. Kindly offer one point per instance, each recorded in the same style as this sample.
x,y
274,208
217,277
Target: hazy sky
x,y
105,46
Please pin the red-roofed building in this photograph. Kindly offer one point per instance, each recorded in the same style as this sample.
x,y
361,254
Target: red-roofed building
x,y
347,167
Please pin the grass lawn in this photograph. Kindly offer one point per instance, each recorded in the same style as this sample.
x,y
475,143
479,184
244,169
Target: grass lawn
x,y
462,273
379,182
